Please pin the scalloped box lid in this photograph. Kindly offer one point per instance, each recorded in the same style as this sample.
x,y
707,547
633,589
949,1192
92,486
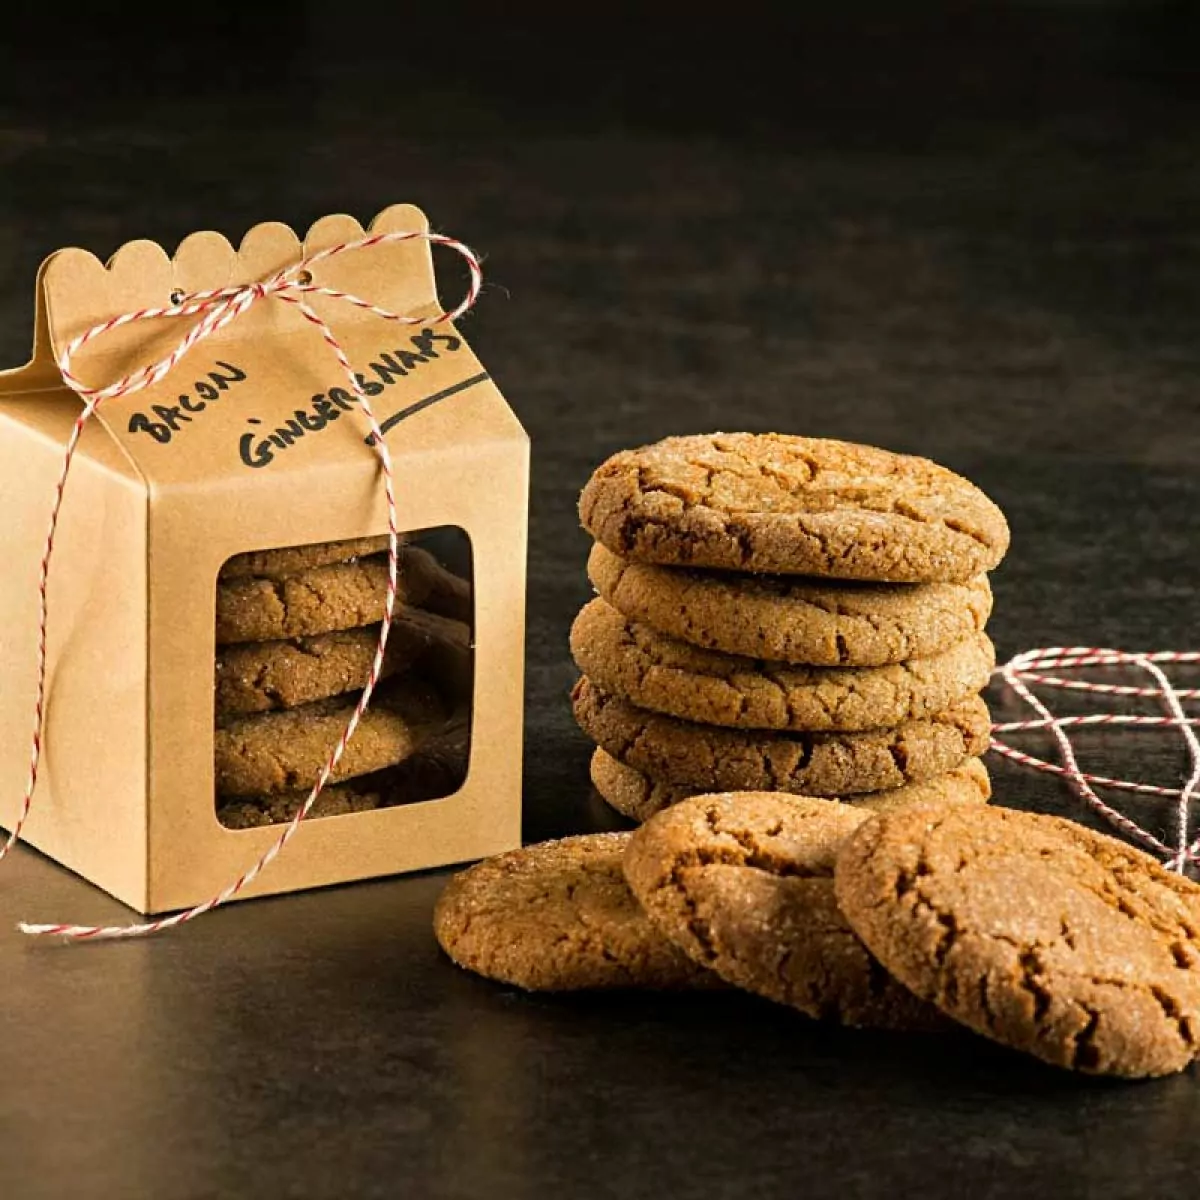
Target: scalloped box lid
x,y
265,395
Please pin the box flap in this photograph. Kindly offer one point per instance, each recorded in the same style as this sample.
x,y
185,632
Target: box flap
x,y
265,393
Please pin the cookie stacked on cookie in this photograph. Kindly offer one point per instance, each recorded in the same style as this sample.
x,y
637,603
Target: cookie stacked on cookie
x,y
778,613
296,631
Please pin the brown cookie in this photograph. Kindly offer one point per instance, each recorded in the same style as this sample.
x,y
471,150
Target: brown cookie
x,y
354,796
743,884
1033,931
793,505
968,783
664,675
709,759
638,797
275,752
558,916
437,769
320,600
291,560
794,620
263,676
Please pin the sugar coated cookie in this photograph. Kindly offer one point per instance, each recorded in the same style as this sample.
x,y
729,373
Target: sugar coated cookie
x,y
274,752
319,600
819,623
668,676
795,505
744,884
290,560
558,916
638,797
256,677
710,759
1033,931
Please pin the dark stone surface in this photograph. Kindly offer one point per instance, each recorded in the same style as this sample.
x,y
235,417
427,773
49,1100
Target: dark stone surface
x,y
973,235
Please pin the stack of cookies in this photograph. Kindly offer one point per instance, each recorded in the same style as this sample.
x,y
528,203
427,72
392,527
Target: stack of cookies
x,y
779,615
296,633
790,614
1030,930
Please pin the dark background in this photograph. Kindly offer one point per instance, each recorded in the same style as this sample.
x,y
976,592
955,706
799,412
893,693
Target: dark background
x,y
966,230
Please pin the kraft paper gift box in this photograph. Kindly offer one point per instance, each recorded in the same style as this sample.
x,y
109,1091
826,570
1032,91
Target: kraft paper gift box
x,y
239,448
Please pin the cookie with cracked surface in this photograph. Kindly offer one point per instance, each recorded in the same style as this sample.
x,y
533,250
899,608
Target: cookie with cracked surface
x,y
638,797
273,752
823,624
664,675
558,916
793,505
254,677
289,560
1033,931
437,769
320,600
710,759
969,783
253,812
743,883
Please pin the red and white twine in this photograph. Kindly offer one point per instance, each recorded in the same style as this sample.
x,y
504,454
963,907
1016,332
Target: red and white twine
x,y
1048,668
217,309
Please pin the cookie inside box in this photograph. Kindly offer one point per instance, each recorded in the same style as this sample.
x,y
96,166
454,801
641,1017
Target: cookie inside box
x,y
297,629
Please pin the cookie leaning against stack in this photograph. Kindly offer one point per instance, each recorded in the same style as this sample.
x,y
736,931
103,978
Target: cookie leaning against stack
x,y
1028,929
780,613
296,630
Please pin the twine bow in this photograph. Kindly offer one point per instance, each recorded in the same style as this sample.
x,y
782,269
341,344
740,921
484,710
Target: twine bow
x,y
216,309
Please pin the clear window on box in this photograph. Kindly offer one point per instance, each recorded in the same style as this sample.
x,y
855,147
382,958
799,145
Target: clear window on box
x,y
297,632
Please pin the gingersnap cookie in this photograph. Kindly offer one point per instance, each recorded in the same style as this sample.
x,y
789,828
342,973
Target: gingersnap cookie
x,y
793,505
968,783
659,673
709,759
354,796
638,797
274,752
256,677
783,619
558,916
291,560
743,883
324,599
437,768
1033,931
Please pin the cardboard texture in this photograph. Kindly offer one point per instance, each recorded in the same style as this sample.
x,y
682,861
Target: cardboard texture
x,y
171,482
